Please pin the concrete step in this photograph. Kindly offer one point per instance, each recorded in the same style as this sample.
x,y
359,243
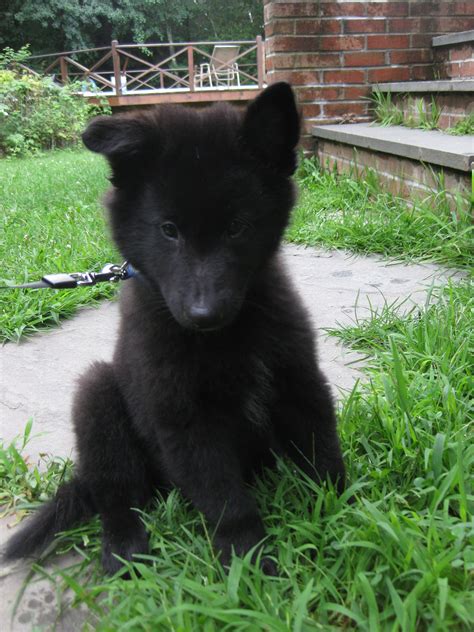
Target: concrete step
x,y
410,163
453,39
427,87
427,146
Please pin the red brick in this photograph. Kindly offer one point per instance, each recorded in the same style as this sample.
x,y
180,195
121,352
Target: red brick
x,y
311,109
344,108
318,27
344,8
404,25
442,25
463,69
279,27
296,44
364,59
459,54
266,12
306,60
297,9
462,8
364,26
421,40
352,93
318,94
387,41
307,145
381,75
307,27
434,8
393,8
308,125
421,73
297,77
342,43
331,25
344,76
413,56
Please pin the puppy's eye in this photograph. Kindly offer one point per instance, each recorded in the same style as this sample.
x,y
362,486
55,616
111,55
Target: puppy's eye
x,y
169,230
236,229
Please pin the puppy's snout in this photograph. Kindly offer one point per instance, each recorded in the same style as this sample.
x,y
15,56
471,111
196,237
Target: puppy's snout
x,y
204,317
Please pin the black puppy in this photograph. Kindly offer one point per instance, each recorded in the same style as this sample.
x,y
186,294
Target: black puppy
x,y
214,370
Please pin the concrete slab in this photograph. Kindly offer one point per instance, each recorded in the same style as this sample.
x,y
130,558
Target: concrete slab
x,y
40,607
37,380
434,85
428,146
452,39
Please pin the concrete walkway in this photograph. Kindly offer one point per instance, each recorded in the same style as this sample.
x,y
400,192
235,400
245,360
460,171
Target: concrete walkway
x,y
37,377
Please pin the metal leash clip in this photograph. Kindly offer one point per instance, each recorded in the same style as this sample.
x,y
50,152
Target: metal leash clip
x,y
78,279
111,272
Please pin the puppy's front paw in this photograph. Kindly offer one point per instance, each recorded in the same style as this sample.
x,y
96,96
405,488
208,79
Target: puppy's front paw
x,y
241,544
269,567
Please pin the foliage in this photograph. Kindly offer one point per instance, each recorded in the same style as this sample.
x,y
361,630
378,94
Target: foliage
x,y
35,113
399,558
24,482
464,126
9,57
356,213
418,115
55,25
384,110
50,221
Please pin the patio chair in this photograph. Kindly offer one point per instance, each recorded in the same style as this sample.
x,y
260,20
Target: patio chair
x,y
221,70
123,82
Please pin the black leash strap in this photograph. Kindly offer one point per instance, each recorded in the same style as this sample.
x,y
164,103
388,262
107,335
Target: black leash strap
x,y
111,272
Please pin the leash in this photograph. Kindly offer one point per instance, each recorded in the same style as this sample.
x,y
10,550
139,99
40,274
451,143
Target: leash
x,y
111,272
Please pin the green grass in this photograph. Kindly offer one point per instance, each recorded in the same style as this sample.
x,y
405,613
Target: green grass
x,y
418,115
401,558
51,221
464,126
341,211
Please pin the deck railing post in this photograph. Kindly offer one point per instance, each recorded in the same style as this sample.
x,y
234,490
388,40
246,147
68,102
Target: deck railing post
x,y
116,64
260,61
191,68
63,69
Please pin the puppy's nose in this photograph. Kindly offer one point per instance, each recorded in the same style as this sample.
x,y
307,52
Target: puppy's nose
x,y
203,317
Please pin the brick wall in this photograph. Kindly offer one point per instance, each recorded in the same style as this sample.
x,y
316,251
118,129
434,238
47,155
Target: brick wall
x,y
455,61
401,176
332,51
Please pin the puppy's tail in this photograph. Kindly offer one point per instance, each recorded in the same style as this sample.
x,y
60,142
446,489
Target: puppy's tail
x,y
70,506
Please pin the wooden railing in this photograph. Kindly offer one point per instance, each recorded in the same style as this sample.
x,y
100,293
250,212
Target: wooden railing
x,y
121,69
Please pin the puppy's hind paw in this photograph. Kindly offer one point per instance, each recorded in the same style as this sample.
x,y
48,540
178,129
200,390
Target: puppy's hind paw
x,y
117,549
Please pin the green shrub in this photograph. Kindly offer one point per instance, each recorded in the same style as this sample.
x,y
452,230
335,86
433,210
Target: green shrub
x,y
464,126
35,113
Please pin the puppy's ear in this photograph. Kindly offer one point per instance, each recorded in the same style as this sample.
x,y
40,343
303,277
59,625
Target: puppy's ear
x,y
115,136
271,128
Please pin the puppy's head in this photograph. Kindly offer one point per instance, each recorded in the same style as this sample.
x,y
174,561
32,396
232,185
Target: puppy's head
x,y
200,198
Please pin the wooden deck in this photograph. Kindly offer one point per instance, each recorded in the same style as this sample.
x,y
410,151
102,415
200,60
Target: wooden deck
x,y
156,97
190,74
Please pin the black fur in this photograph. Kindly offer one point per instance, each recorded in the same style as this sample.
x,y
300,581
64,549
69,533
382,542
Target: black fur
x,y
214,369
